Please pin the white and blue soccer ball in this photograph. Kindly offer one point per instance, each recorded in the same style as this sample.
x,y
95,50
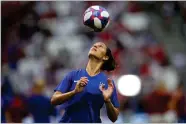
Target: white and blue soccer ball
x,y
97,18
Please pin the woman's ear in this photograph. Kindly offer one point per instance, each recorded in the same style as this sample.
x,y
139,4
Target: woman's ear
x,y
105,58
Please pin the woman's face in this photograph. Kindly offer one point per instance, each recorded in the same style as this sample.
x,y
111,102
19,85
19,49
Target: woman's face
x,y
98,50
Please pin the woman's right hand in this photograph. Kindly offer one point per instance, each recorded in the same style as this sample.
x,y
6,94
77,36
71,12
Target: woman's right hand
x,y
81,84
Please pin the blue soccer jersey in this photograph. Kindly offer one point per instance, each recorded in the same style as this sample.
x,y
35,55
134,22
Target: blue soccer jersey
x,y
84,107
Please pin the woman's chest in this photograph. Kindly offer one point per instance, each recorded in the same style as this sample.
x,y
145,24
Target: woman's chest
x,y
91,92
93,84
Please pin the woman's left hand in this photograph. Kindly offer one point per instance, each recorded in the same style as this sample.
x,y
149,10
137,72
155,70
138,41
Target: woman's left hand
x,y
107,92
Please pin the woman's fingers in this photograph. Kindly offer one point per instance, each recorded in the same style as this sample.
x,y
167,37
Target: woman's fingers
x,y
110,84
83,81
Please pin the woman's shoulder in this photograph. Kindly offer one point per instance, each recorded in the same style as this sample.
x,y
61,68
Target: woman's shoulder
x,y
104,75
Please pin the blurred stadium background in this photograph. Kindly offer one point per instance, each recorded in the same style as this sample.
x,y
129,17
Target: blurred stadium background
x,y
42,41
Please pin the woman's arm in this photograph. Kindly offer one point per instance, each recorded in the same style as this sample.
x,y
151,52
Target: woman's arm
x,y
111,101
112,112
59,98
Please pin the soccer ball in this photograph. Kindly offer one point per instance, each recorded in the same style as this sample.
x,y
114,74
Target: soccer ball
x,y
97,18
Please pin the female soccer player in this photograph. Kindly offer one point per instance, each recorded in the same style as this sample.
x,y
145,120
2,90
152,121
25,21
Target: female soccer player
x,y
83,92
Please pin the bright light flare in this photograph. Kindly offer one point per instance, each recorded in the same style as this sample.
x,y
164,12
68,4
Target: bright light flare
x,y
129,85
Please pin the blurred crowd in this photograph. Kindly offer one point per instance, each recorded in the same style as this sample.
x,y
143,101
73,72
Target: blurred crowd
x,y
42,41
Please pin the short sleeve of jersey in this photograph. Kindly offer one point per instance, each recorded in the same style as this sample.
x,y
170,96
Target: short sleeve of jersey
x,y
114,97
65,84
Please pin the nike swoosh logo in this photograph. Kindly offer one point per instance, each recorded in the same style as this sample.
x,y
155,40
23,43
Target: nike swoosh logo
x,y
75,80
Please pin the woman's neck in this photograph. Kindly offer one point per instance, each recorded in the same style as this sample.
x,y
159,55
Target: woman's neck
x,y
93,67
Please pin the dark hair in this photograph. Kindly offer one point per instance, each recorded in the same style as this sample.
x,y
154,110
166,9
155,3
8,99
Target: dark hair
x,y
110,64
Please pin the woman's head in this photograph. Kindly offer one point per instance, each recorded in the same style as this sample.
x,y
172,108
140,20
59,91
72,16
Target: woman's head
x,y
102,53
